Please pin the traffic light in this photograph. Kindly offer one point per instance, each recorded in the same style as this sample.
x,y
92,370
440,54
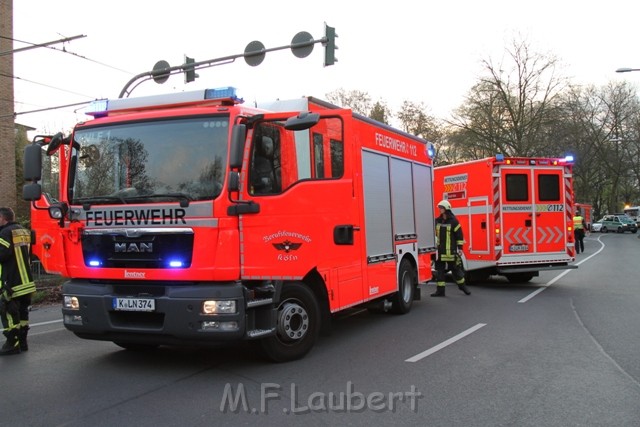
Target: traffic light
x,y
330,45
189,70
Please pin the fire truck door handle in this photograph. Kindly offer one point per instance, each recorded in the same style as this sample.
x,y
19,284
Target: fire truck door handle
x,y
527,223
343,234
483,225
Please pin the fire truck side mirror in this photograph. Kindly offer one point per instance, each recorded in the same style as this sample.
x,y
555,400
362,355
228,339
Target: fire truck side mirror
x,y
32,162
238,136
56,141
302,121
32,192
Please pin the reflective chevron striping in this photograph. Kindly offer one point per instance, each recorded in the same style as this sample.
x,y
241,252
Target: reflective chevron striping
x,y
549,234
517,235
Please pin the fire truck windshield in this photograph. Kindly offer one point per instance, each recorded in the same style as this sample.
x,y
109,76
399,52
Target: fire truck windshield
x,y
144,162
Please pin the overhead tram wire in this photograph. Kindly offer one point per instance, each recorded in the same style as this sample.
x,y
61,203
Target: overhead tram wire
x,y
44,109
63,50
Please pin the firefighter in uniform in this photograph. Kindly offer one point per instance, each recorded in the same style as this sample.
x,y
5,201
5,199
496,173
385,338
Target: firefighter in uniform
x,y
578,232
449,240
16,282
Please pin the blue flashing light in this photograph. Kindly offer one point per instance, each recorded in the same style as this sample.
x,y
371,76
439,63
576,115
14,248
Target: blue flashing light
x,y
500,157
176,264
98,108
431,151
569,158
221,93
94,263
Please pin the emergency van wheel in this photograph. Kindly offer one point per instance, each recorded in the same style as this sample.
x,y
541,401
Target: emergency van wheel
x,y
297,324
403,299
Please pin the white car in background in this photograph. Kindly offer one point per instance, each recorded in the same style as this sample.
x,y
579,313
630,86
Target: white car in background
x,y
596,227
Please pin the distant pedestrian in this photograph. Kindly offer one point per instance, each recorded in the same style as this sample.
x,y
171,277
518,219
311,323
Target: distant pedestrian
x,y
578,231
16,282
449,241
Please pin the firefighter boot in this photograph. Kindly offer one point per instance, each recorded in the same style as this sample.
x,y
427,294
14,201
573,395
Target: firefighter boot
x,y
464,289
439,291
22,336
12,345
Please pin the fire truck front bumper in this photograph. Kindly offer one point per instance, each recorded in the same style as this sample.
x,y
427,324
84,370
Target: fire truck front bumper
x,y
180,314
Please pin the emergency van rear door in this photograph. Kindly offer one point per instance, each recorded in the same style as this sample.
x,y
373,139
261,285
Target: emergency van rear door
x,y
533,210
550,210
517,210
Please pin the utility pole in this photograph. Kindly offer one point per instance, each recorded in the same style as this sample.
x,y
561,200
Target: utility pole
x,y
8,192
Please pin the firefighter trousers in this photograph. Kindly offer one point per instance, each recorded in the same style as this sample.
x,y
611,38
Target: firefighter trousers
x,y
14,315
456,270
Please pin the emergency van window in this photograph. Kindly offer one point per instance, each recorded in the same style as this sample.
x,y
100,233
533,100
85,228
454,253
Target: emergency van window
x,y
548,187
153,161
517,187
280,158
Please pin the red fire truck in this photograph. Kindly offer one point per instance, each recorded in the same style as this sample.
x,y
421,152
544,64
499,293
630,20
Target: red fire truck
x,y
193,219
516,214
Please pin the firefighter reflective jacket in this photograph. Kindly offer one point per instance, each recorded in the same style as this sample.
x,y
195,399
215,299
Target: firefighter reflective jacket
x,y
449,237
15,271
578,222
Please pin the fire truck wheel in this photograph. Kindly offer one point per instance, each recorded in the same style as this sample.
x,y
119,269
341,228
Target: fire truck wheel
x,y
298,324
403,299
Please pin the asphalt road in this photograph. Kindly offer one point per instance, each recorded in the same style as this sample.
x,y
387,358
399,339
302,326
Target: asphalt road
x,y
562,350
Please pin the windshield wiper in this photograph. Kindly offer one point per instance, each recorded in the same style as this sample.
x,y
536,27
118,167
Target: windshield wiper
x,y
184,198
98,200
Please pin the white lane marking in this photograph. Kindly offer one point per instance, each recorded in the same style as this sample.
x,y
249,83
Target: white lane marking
x,y
444,344
559,276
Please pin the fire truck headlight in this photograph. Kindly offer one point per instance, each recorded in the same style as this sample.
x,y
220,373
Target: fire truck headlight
x,y
219,307
71,302
57,211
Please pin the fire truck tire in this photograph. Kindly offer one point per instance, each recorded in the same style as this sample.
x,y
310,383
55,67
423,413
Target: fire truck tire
x,y
403,299
297,324
519,277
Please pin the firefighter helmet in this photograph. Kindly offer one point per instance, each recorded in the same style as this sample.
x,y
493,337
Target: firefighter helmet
x,y
445,204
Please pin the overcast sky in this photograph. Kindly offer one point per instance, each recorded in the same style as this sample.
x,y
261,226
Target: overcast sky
x,y
421,51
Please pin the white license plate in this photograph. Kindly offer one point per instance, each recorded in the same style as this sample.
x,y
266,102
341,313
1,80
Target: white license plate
x,y
134,304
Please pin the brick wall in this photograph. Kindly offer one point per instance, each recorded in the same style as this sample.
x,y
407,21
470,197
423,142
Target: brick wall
x,y
8,194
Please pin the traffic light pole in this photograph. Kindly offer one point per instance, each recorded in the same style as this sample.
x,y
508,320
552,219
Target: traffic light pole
x,y
301,46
